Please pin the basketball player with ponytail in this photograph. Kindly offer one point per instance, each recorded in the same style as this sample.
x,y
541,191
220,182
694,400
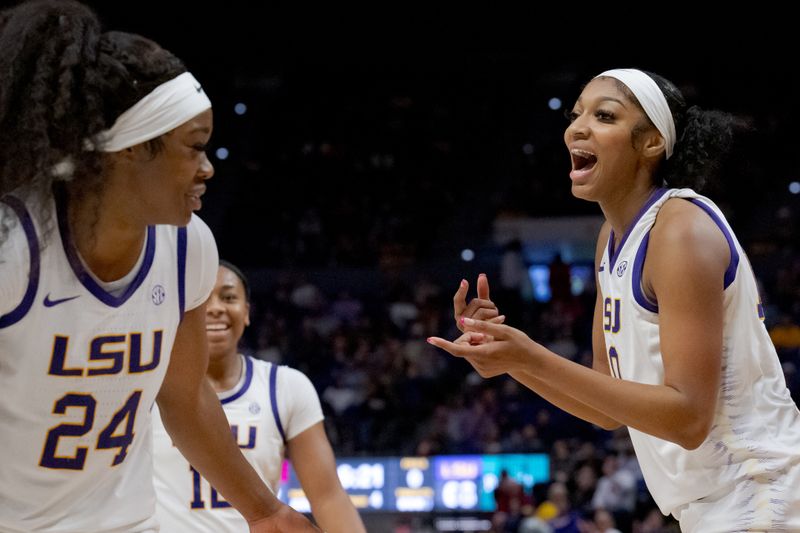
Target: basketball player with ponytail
x,y
681,355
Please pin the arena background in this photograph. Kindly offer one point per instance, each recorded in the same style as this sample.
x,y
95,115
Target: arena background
x,y
384,155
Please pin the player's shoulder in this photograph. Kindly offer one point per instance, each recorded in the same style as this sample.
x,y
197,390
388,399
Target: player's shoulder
x,y
285,376
20,251
682,222
197,224
196,230
259,365
262,370
291,377
685,238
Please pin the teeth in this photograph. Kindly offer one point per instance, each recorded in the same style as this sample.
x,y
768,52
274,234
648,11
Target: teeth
x,y
216,327
582,153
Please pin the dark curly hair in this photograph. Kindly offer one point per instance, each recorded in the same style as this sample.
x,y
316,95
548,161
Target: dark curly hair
x,y
704,139
63,81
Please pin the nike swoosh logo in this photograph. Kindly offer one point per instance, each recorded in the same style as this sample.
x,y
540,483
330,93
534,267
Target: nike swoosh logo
x,y
50,303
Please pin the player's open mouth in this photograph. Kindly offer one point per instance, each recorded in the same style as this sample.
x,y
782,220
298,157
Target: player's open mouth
x,y
217,327
582,159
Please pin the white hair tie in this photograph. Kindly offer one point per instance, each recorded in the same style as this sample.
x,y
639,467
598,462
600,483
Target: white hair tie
x,y
651,98
165,108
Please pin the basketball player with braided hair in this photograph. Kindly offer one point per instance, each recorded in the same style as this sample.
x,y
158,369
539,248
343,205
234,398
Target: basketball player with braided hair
x,y
104,271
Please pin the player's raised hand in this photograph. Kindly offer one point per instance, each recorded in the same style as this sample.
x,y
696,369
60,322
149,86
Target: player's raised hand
x,y
480,308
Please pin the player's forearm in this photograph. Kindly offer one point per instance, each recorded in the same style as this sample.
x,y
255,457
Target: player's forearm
x,y
336,514
564,401
658,410
201,432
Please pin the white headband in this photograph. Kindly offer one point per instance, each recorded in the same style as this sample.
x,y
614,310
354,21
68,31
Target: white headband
x,y
168,106
651,98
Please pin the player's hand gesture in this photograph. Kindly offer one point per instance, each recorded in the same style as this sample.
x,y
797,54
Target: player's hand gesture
x,y
480,308
492,349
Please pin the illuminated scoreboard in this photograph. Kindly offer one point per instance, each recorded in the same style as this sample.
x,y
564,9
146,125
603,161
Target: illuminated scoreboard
x,y
421,484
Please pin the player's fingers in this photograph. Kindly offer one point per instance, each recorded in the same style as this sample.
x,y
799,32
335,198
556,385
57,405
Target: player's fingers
x,y
485,314
498,319
483,287
464,338
478,338
498,331
451,347
472,338
478,303
459,349
460,299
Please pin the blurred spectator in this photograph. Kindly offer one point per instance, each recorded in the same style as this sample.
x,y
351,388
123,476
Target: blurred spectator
x,y
532,524
557,510
514,283
654,522
560,282
604,522
584,486
346,308
616,489
509,494
306,296
402,309
341,397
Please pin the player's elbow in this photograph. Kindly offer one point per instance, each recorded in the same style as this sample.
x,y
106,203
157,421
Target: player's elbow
x,y
694,432
691,442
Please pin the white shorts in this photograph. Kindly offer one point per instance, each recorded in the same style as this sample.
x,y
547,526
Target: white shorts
x,y
752,505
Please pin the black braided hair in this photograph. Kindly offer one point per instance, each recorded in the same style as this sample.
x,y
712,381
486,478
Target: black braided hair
x,y
63,81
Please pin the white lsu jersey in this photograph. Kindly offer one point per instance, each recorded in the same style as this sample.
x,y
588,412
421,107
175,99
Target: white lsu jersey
x,y
269,406
80,368
755,437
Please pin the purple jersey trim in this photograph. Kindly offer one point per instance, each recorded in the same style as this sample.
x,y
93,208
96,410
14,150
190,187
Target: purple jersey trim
x,y
248,378
273,398
613,253
641,253
83,275
636,279
730,272
16,314
182,271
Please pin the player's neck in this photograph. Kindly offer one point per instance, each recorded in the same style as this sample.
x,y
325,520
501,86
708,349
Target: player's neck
x,y
622,208
107,240
224,372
